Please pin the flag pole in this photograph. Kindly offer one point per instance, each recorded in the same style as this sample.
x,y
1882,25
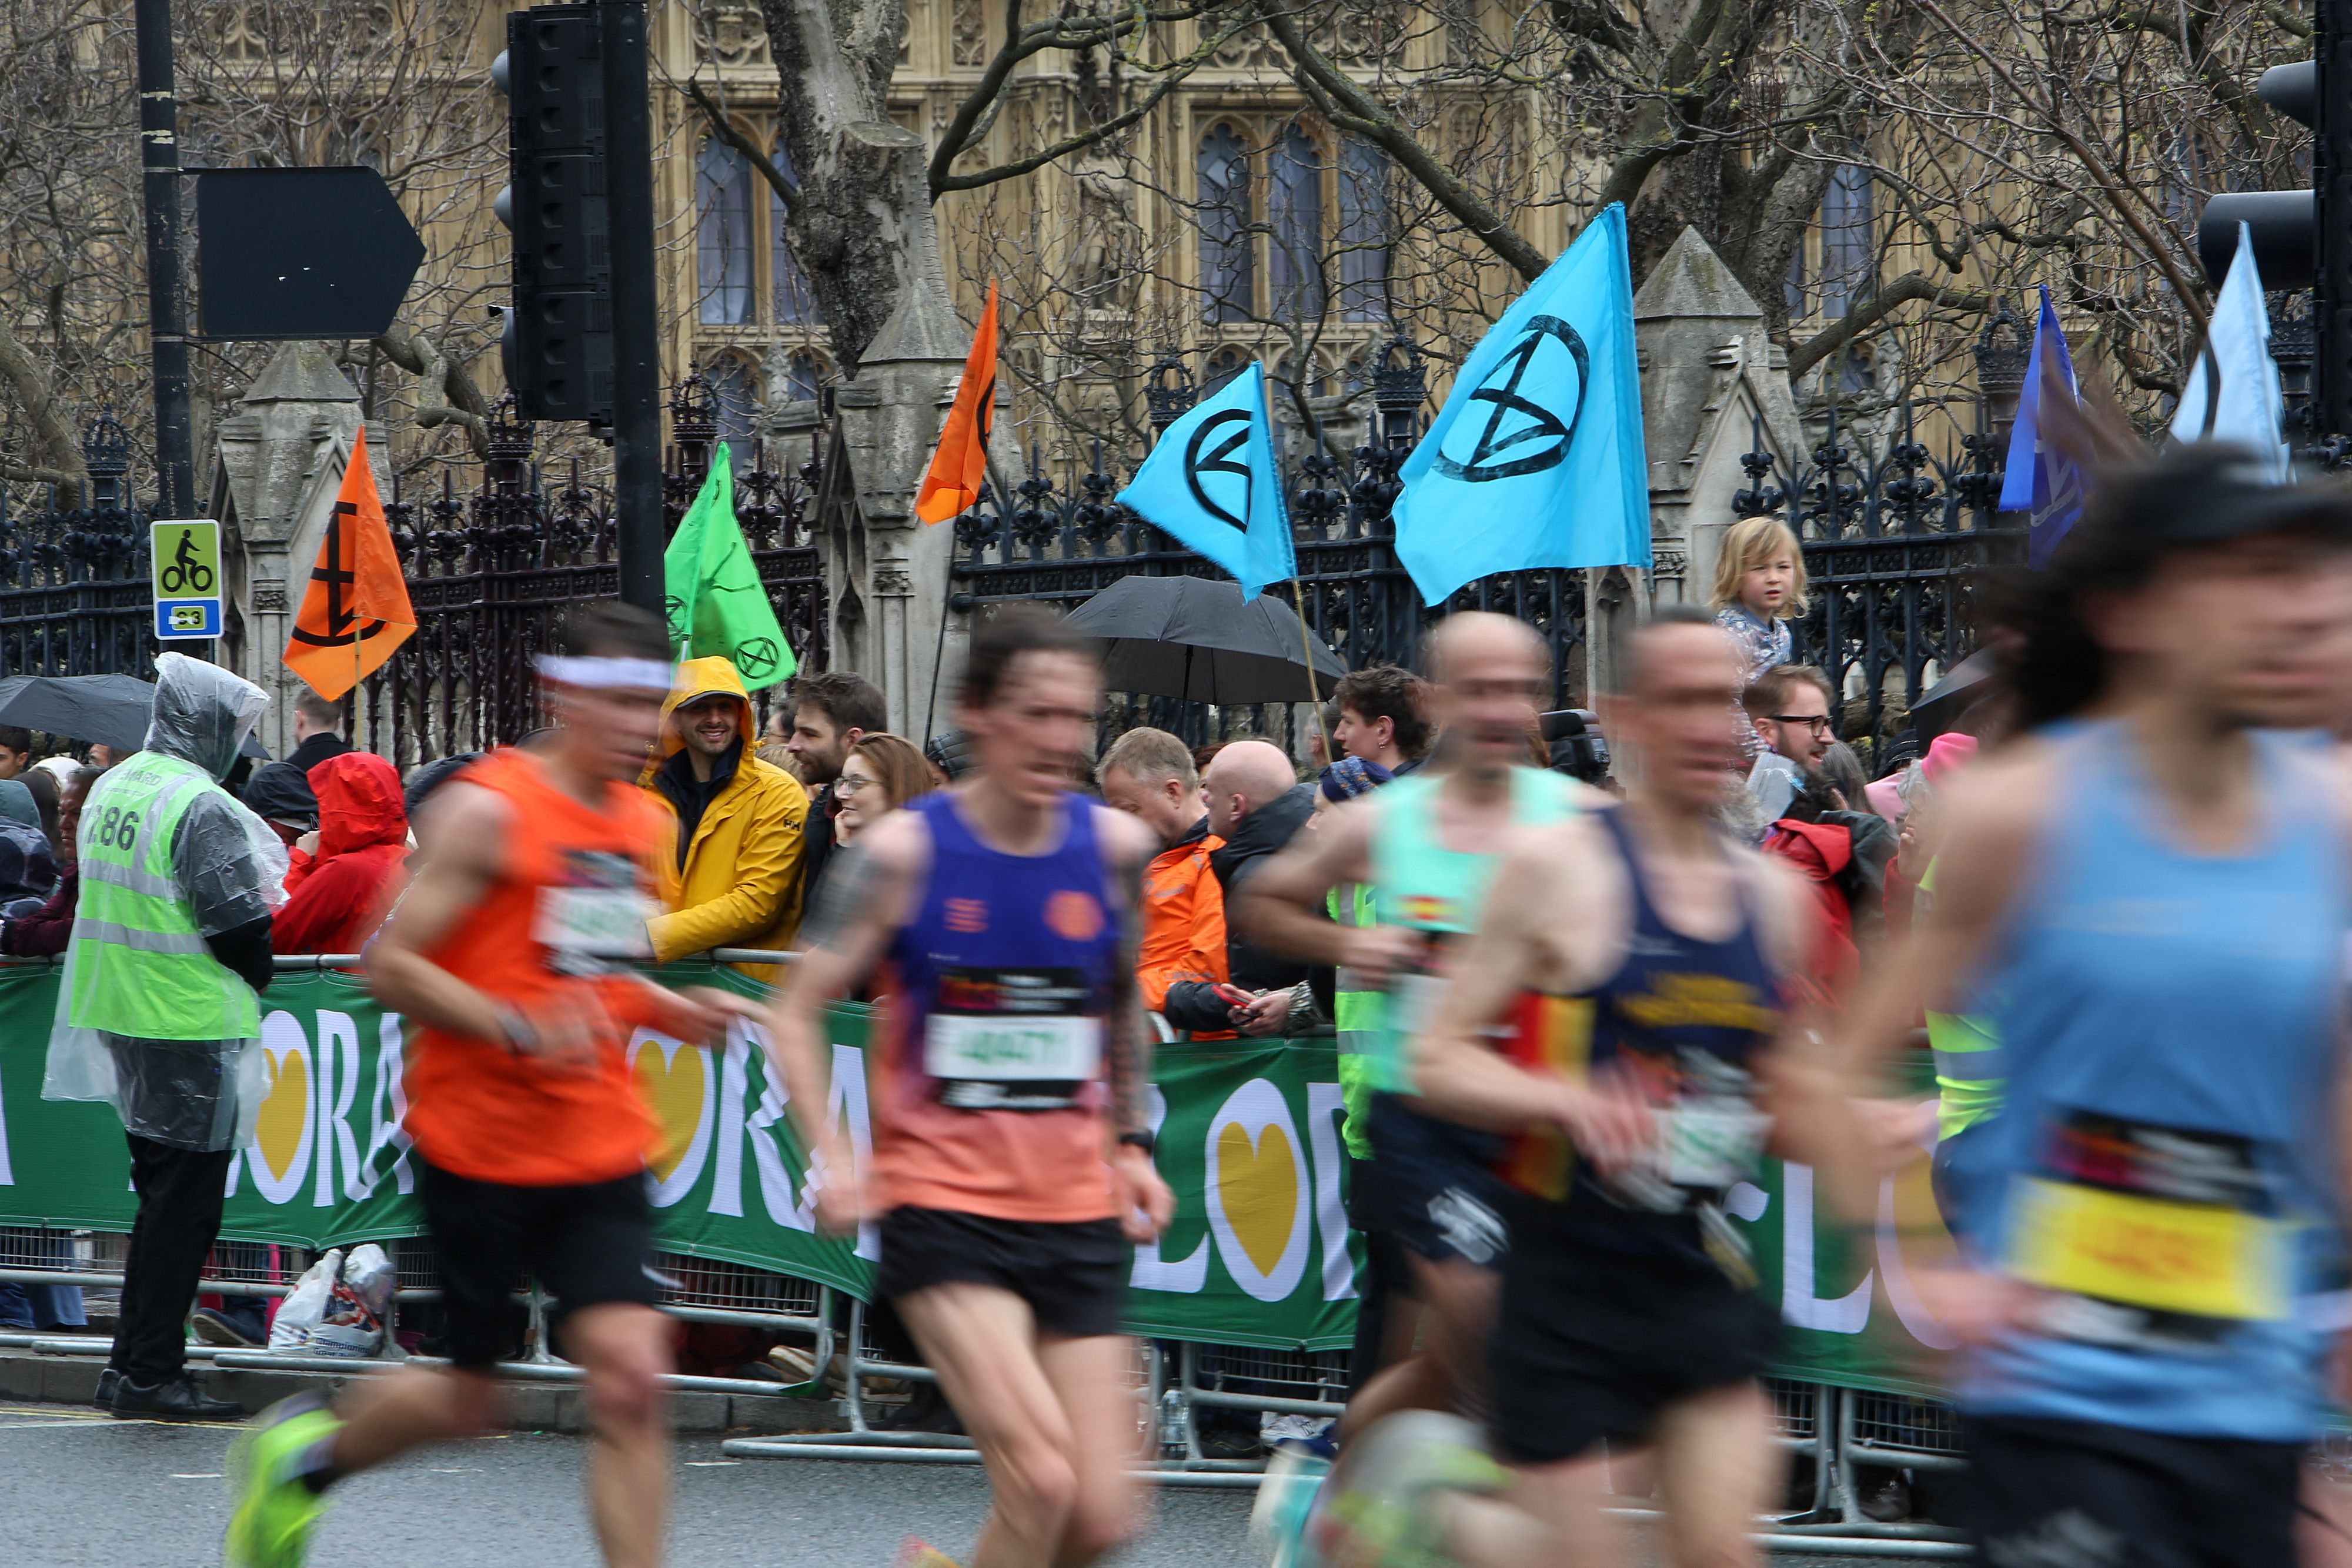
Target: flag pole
x,y
1306,651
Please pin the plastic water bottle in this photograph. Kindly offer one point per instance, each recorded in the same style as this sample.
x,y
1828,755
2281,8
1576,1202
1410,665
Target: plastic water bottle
x,y
1171,1423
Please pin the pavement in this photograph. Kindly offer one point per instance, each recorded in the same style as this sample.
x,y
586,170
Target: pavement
x,y
79,1489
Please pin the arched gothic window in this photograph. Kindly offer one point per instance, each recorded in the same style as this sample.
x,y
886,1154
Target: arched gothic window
x,y
1294,214
1226,274
795,302
1367,232
722,237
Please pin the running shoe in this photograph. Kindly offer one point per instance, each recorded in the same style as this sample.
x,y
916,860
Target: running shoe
x,y
919,1553
1286,1502
1379,1509
276,1508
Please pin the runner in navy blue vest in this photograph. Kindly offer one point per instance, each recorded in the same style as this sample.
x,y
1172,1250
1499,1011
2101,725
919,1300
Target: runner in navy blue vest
x,y
1012,1169
1641,953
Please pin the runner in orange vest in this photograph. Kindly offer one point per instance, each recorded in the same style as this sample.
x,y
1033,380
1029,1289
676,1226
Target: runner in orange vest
x,y
506,955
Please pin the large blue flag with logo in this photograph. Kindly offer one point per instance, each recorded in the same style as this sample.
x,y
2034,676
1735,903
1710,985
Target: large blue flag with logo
x,y
2234,386
2037,478
1537,459
1211,482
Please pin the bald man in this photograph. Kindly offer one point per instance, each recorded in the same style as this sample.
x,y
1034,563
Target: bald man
x,y
1426,846
1256,805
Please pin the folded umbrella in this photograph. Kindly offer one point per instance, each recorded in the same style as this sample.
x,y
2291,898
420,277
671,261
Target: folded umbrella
x,y
1194,638
1946,703
110,710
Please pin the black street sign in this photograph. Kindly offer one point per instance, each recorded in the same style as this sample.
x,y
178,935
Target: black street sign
x,y
300,254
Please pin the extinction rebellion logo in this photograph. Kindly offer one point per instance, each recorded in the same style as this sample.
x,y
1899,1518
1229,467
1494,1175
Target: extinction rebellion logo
x,y
1211,451
1522,435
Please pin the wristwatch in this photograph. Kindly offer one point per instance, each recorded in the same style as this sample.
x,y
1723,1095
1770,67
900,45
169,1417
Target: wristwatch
x,y
1148,1142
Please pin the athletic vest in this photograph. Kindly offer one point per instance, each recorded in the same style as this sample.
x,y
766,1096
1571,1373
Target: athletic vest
x,y
1685,1020
2165,1163
999,992
568,903
1969,1070
1421,885
139,963
1356,1008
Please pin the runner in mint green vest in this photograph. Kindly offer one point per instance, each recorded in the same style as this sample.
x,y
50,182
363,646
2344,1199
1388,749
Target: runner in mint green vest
x,y
1424,846
157,1014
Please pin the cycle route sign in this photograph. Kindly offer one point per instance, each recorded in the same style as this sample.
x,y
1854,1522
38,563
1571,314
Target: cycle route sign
x,y
184,559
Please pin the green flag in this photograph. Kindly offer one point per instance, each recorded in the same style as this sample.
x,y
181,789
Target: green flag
x,y
718,605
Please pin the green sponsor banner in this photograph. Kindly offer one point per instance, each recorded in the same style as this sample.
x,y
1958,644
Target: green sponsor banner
x,y
1259,1252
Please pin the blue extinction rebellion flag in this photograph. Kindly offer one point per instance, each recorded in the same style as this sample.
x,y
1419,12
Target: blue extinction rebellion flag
x,y
1536,458
1211,482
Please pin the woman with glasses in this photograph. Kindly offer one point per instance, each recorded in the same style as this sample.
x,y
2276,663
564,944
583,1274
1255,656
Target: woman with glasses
x,y
881,773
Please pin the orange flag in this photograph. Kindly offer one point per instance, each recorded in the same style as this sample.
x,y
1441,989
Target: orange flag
x,y
356,613
961,462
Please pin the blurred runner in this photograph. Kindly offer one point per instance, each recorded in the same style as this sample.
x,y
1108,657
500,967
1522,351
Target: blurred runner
x,y
2145,898
1645,952
503,955
1424,846
1012,1135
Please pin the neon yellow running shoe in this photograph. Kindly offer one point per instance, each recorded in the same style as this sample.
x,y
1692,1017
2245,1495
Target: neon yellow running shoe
x,y
275,1509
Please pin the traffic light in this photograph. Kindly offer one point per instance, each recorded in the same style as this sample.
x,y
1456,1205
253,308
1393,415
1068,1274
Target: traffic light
x,y
558,347
2302,239
2281,222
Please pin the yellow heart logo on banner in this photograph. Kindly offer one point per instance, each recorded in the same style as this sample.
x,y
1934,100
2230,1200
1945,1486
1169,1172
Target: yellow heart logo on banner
x,y
673,1088
1260,1189
284,1113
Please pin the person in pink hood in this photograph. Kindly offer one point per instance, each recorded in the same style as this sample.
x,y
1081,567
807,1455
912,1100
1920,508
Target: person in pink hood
x,y
339,896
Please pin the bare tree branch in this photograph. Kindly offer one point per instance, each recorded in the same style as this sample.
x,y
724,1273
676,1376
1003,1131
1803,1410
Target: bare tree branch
x,y
726,129
53,430
1909,289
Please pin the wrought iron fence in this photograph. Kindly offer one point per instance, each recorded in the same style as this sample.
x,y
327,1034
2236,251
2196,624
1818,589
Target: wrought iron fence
x,y
74,594
1060,542
1896,546
491,571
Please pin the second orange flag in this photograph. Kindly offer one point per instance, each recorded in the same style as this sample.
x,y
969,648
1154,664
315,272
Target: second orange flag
x,y
355,614
960,465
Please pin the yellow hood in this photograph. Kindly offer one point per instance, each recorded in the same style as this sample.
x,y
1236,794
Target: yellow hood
x,y
700,678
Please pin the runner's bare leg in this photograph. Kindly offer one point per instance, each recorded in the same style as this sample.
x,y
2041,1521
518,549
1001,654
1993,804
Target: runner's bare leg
x,y
385,1417
1090,1378
1448,1372
1717,1469
624,1349
981,1342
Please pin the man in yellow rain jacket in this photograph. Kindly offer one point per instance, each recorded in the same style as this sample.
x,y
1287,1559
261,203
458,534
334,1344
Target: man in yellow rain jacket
x,y
734,880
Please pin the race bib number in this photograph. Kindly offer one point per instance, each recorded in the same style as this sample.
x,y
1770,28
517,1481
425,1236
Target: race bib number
x,y
1705,1146
1013,1050
1011,1039
593,922
2174,1223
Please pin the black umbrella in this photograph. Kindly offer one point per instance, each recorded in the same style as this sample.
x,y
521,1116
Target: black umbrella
x,y
1193,638
1941,706
112,710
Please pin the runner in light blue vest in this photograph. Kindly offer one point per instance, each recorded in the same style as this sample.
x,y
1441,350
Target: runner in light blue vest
x,y
2150,909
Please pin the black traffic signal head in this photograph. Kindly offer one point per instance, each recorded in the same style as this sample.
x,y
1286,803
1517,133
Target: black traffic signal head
x,y
2282,224
559,352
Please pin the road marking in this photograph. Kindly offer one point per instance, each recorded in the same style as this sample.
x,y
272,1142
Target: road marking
x,y
711,1464
197,1475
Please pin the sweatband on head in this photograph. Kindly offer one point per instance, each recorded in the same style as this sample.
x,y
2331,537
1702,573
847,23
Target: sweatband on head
x,y
574,670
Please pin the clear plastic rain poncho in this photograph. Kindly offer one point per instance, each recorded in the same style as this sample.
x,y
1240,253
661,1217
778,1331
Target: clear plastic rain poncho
x,y
230,868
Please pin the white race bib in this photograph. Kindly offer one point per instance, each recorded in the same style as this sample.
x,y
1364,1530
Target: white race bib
x,y
594,922
1413,1002
1710,1147
1011,1048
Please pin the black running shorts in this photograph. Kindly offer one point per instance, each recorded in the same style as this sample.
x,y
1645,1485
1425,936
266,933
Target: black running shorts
x,y
588,1246
2072,1491
1432,1185
1072,1275
1593,1343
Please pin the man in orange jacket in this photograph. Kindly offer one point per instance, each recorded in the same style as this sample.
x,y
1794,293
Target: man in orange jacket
x,y
1149,774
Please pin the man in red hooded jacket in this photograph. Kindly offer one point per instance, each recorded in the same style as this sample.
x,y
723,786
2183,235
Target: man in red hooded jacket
x,y
337,898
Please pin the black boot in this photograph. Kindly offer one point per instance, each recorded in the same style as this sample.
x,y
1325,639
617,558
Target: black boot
x,y
177,1400
108,1381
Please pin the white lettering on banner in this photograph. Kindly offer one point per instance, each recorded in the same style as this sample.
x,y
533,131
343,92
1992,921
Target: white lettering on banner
x,y
1845,1314
287,1128
676,1082
776,1193
1895,1269
845,1102
1259,1200
7,1175
726,1168
1325,1108
1184,1276
338,1058
388,1132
